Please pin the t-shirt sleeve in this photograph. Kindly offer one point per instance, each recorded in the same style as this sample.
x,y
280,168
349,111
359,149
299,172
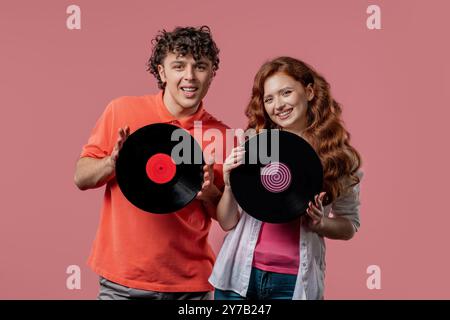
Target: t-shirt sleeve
x,y
348,204
100,142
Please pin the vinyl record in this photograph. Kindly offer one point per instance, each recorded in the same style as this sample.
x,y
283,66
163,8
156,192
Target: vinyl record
x,y
279,177
151,177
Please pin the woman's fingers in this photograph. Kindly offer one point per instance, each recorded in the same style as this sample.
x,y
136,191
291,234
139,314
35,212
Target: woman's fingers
x,y
235,165
313,216
241,137
318,200
234,158
316,210
237,152
315,213
318,203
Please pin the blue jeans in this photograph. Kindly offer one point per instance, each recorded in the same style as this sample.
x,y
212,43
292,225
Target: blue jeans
x,y
263,285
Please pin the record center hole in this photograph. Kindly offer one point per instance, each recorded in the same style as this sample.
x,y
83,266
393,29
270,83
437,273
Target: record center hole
x,y
161,168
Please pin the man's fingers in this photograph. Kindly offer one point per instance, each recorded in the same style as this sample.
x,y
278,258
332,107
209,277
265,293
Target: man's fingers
x,y
208,168
124,132
212,157
205,184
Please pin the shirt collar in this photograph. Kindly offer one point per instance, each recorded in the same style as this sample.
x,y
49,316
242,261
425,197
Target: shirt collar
x,y
185,122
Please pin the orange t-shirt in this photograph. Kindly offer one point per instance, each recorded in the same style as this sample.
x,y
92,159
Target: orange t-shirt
x,y
141,250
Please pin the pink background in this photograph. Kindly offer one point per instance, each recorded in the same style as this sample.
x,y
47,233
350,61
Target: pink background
x,y
393,84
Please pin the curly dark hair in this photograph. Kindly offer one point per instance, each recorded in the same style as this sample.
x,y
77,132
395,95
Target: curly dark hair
x,y
183,40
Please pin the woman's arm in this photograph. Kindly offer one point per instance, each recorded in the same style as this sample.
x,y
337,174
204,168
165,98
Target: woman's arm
x,y
336,227
227,209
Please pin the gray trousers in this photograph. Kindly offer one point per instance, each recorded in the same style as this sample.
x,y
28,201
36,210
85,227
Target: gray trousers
x,y
113,291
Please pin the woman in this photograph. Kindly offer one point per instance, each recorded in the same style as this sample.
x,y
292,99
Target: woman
x,y
287,261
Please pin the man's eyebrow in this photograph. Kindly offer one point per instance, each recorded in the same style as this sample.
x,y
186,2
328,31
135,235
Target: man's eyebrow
x,y
201,63
196,62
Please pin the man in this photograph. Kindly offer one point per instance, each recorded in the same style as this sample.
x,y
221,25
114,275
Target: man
x,y
139,254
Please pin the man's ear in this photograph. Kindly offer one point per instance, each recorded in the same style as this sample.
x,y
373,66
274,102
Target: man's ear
x,y
211,78
162,73
309,92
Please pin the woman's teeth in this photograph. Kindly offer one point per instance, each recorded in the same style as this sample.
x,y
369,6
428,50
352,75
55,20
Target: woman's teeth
x,y
284,114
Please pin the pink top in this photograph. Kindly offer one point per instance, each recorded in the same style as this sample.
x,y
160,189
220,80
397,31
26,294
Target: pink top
x,y
277,249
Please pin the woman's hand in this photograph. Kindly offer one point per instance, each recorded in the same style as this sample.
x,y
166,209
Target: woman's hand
x,y
234,160
316,213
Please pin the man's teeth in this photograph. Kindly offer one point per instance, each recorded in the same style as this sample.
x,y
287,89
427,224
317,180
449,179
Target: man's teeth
x,y
189,89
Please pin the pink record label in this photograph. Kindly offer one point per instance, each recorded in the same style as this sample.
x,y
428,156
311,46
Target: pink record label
x,y
276,177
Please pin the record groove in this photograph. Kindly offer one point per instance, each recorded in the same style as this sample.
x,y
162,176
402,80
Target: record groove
x,y
278,191
150,178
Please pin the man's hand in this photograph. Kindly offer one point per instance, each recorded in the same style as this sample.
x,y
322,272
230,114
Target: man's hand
x,y
93,173
209,193
124,133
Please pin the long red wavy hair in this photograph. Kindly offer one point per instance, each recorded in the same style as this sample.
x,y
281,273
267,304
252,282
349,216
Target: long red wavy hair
x,y
325,130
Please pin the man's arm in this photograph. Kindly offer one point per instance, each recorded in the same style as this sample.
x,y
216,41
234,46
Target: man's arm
x,y
93,173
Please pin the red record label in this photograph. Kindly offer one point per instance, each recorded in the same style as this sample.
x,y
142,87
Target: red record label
x,y
161,168
150,178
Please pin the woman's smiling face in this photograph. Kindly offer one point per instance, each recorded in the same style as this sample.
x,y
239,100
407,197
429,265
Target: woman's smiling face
x,y
286,101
